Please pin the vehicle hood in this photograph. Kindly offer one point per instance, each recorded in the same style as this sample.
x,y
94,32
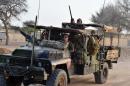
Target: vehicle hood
x,y
41,52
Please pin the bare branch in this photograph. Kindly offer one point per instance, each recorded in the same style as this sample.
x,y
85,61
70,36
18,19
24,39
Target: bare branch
x,y
9,9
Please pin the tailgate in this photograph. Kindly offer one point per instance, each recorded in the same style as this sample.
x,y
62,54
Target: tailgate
x,y
113,55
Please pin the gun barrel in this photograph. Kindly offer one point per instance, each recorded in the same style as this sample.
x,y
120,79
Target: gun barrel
x,y
27,36
70,12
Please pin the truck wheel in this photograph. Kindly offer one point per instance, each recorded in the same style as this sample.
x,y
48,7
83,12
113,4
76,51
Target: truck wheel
x,y
2,81
102,75
14,81
57,78
27,82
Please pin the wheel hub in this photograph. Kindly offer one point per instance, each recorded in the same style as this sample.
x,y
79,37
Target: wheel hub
x,y
61,81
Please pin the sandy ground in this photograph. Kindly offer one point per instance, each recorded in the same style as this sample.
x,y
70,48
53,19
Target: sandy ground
x,y
118,76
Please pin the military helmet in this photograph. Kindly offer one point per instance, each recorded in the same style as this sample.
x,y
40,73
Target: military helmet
x,y
79,21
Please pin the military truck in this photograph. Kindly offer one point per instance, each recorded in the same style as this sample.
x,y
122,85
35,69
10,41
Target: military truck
x,y
48,65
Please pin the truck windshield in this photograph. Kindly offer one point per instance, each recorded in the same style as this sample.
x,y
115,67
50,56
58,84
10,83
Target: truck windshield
x,y
52,44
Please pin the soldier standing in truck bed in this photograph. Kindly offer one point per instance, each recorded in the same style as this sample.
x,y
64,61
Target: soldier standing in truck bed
x,y
79,21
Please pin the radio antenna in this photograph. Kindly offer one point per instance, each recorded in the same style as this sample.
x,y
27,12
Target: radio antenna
x,y
33,47
103,14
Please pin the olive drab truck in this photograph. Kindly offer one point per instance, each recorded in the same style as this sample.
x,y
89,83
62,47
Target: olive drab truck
x,y
49,66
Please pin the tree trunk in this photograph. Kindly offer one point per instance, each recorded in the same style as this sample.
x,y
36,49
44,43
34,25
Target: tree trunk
x,y
7,35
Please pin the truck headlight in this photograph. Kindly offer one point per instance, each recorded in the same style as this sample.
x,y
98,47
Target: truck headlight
x,y
44,54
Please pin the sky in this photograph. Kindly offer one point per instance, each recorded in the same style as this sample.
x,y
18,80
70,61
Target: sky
x,y
54,12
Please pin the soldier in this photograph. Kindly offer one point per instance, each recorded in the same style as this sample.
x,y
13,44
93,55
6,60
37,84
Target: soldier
x,y
68,49
44,35
93,43
93,47
79,21
79,55
79,24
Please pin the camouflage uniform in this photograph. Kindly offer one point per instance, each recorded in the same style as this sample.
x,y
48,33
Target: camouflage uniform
x,y
80,51
93,49
80,54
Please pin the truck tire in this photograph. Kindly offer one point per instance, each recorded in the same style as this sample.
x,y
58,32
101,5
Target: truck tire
x,y
101,75
57,78
14,81
2,81
27,82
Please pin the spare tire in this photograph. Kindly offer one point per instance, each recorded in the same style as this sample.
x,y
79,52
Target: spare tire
x,y
102,75
14,81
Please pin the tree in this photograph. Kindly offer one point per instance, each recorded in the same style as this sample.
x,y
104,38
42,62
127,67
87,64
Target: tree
x,y
124,7
109,15
10,9
26,23
117,15
27,29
